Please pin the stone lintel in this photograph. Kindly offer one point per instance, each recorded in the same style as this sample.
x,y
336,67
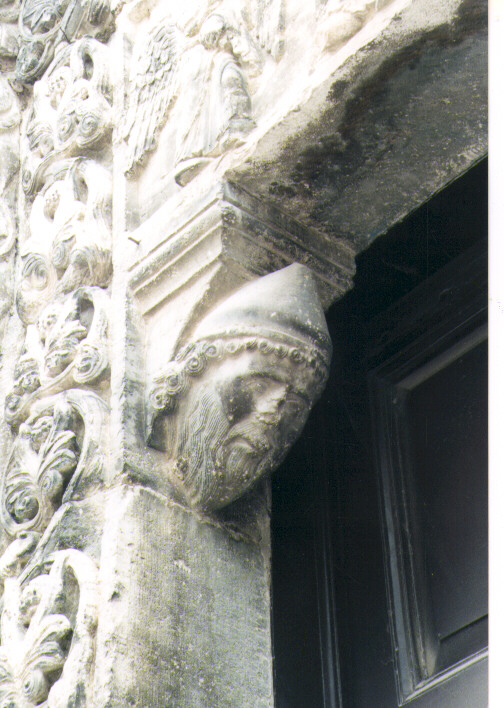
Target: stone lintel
x,y
381,129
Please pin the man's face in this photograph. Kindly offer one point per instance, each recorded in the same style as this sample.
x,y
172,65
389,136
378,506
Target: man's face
x,y
238,423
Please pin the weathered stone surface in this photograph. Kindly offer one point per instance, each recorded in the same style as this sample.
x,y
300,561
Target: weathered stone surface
x,y
161,169
237,395
378,132
185,610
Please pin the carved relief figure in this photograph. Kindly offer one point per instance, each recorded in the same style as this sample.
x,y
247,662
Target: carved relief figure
x,y
200,82
233,401
267,19
47,633
341,19
45,23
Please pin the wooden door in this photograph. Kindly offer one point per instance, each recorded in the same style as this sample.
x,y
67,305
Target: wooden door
x,y
379,518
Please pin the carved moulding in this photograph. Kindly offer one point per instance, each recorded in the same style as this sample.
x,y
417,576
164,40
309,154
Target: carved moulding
x,y
70,241
234,399
45,24
71,113
67,346
58,453
48,633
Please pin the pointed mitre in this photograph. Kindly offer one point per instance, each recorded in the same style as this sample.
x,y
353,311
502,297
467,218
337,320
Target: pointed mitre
x,y
283,306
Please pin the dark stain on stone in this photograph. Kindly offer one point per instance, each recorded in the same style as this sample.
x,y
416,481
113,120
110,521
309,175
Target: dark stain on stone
x,y
371,126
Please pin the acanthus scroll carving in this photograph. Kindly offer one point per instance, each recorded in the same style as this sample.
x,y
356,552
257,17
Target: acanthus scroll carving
x,y
70,241
71,114
57,452
9,170
47,636
234,399
67,346
9,30
9,163
44,24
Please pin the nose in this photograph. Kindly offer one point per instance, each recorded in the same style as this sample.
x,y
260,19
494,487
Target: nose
x,y
270,405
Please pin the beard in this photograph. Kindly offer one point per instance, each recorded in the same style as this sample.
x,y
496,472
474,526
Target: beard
x,y
248,450
222,461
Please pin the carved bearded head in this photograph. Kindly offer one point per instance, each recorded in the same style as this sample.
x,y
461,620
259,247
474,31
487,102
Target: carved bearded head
x,y
239,394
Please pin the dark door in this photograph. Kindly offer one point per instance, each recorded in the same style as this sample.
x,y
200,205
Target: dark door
x,y
379,515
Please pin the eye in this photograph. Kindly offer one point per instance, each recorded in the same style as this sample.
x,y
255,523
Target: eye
x,y
256,387
237,399
294,407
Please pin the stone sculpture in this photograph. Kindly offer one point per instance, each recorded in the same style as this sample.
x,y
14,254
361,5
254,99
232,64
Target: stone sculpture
x,y
44,24
55,453
120,584
235,398
267,18
47,636
71,114
69,242
9,33
67,346
202,76
341,20
9,167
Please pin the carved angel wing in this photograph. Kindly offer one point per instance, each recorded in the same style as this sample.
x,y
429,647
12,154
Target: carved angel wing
x,y
151,91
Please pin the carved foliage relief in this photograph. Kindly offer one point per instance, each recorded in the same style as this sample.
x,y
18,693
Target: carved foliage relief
x,y
71,114
49,609
44,24
47,633
228,406
57,454
56,121
10,116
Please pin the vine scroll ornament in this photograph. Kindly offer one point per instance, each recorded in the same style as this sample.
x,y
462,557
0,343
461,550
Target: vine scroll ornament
x,y
57,455
47,633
